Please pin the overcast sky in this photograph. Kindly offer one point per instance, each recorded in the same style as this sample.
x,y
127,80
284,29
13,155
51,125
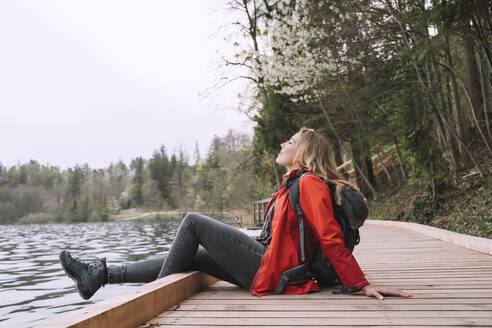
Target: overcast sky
x,y
97,81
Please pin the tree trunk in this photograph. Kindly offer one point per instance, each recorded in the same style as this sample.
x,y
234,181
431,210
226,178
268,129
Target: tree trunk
x,y
275,171
472,72
337,153
362,148
381,162
450,145
400,161
354,163
368,164
459,117
362,162
467,94
359,164
437,107
484,82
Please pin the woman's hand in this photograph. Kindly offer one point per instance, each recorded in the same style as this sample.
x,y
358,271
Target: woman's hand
x,y
378,292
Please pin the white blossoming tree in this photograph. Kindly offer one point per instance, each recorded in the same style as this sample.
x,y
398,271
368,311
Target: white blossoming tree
x,y
311,57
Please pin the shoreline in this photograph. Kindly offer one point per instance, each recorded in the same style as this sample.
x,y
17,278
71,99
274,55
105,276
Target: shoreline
x,y
153,215
234,217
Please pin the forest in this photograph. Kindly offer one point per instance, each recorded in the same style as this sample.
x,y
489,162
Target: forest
x,y
408,79
221,181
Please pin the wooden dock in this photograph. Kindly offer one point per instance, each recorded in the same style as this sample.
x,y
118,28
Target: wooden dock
x,y
451,287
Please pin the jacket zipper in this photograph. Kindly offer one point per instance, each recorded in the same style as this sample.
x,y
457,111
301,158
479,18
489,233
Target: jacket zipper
x,y
266,254
261,269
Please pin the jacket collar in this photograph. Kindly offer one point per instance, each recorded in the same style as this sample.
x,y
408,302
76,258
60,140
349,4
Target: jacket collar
x,y
291,174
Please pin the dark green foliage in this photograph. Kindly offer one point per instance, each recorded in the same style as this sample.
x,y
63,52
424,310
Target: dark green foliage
x,y
422,209
161,171
75,203
474,213
15,202
277,122
405,117
137,165
452,14
224,179
3,175
22,177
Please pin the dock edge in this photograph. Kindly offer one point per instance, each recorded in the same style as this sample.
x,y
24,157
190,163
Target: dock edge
x,y
480,244
136,306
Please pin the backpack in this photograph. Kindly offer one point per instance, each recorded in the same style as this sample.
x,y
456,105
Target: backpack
x,y
350,216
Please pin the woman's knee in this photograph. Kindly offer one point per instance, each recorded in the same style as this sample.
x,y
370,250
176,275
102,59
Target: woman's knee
x,y
192,218
196,222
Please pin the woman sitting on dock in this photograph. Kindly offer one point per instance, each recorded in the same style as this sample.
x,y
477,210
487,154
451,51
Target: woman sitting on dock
x,y
222,251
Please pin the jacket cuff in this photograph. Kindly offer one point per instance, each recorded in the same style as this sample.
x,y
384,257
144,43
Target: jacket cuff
x,y
361,285
352,289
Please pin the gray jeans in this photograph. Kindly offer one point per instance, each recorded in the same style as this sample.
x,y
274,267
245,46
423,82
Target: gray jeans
x,y
202,244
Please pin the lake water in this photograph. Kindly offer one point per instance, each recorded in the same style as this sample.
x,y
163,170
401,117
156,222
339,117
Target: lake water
x,y
34,287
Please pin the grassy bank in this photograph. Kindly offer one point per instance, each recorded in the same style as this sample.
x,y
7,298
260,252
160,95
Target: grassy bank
x,y
233,217
135,214
466,208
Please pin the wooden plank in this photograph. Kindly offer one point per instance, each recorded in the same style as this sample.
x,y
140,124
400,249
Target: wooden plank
x,y
428,270
136,306
156,325
407,287
323,321
325,314
408,266
393,281
418,293
437,288
303,306
445,259
424,261
422,272
415,295
331,302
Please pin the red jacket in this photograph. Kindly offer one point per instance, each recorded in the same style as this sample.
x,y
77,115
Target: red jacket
x,y
283,251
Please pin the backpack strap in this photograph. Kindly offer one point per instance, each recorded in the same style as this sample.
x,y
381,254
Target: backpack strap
x,y
294,196
336,209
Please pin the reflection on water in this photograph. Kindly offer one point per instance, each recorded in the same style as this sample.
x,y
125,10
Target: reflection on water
x,y
33,285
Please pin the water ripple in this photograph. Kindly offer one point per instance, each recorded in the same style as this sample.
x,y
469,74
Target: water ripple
x,y
33,287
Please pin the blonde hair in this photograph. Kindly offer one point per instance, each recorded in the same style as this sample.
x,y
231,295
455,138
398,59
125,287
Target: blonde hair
x,y
314,153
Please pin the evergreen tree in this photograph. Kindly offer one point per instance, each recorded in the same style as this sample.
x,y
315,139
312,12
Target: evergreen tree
x,y
196,154
74,182
3,175
137,166
161,172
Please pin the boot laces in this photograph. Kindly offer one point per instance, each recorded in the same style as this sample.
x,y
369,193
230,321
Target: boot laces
x,y
90,263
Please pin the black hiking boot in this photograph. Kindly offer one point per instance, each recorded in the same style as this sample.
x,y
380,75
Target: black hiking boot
x,y
88,276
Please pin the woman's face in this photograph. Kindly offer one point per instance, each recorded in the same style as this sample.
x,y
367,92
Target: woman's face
x,y
287,153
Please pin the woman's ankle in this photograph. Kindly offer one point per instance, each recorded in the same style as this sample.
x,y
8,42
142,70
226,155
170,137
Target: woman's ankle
x,y
116,274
